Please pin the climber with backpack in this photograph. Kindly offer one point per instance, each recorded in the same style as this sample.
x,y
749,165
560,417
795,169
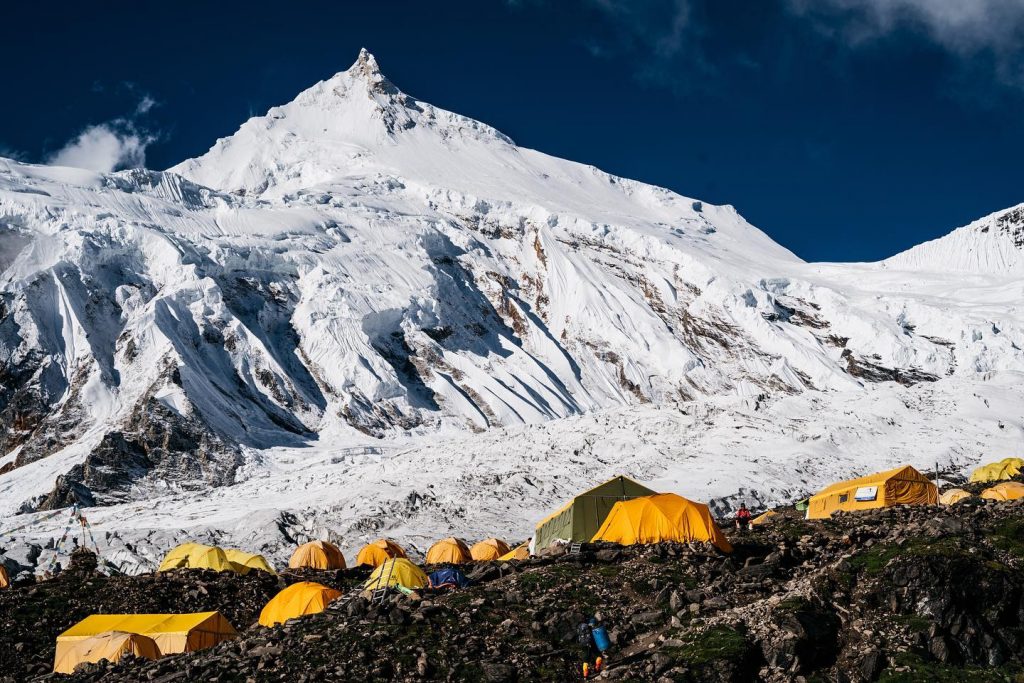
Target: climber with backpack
x,y
592,640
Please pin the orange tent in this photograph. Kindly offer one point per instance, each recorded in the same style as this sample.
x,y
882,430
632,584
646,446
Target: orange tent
x,y
297,600
901,486
1004,490
5,578
449,550
380,551
490,549
664,517
317,555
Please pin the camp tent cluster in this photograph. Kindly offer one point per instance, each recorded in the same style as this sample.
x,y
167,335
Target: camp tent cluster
x,y
1007,468
622,511
110,636
199,556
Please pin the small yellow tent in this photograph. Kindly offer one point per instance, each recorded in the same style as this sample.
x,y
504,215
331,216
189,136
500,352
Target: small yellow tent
x,y
764,517
244,562
397,572
998,471
5,578
380,551
172,633
953,496
317,555
451,550
1005,490
109,645
520,552
901,486
661,518
298,599
196,556
490,549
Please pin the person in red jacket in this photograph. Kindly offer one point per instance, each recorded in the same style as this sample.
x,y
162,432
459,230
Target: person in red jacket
x,y
743,517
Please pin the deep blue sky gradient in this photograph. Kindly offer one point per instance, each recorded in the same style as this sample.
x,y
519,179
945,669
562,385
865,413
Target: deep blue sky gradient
x,y
838,151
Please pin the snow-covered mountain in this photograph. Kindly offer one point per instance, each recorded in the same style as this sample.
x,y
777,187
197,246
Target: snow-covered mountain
x,y
360,268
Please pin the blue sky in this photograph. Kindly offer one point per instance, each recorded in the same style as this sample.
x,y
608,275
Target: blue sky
x,y
846,129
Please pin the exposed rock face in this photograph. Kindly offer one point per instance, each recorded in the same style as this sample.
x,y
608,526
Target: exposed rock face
x,y
922,593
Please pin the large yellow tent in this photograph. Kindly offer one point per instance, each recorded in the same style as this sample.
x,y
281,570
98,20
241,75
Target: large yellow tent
x,y
244,562
581,517
663,517
901,486
1004,490
998,471
397,572
448,550
298,599
109,645
172,633
196,556
953,496
520,552
380,551
489,549
317,555
5,578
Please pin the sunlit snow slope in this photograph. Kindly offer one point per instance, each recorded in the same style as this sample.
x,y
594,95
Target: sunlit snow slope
x,y
360,266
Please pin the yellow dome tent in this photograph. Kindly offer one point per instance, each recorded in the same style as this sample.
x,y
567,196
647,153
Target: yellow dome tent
x,y
449,550
489,549
109,645
317,555
244,562
172,633
196,556
764,517
520,552
380,551
297,600
998,471
397,572
5,578
1005,490
663,517
581,517
901,486
953,496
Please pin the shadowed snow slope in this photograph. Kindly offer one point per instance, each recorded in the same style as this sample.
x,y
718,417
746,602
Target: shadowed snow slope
x,y
358,266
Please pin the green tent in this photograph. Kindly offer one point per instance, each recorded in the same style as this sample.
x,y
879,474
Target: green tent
x,y
581,517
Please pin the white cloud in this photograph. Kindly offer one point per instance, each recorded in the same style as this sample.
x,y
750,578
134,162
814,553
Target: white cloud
x,y
105,147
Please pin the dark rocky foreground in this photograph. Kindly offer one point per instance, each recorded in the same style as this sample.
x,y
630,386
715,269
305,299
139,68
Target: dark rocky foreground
x,y
905,594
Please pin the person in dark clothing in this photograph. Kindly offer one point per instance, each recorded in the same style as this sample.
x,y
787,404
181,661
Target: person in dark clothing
x,y
743,517
589,654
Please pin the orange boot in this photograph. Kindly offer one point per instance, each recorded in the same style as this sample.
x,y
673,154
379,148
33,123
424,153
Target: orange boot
x,y
598,665
586,670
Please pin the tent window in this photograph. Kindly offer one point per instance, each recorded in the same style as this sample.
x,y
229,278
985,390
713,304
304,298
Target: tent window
x,y
843,497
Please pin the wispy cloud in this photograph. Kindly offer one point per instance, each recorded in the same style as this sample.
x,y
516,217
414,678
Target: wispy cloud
x,y
111,146
986,33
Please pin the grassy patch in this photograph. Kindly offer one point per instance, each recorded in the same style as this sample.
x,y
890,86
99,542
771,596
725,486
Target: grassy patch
x,y
873,560
718,642
1008,536
914,622
920,671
